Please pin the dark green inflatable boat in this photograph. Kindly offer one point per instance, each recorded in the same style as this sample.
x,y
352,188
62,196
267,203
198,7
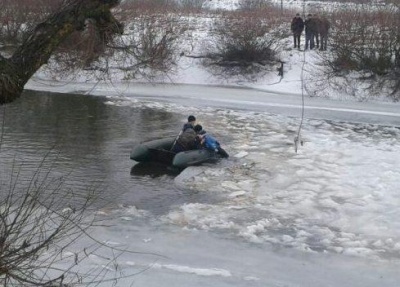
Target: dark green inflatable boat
x,y
160,151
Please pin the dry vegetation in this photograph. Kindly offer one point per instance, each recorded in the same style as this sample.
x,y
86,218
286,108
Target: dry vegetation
x,y
368,42
239,42
41,220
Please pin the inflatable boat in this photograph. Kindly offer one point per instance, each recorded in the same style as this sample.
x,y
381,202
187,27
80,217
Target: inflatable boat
x,y
160,151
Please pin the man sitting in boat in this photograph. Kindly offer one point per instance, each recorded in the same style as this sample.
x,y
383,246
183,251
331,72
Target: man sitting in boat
x,y
190,123
208,142
187,140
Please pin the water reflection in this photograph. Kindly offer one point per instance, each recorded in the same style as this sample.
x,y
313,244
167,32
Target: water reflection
x,y
153,169
88,142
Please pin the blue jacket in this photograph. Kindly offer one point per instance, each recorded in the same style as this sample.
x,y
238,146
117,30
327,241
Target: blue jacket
x,y
211,143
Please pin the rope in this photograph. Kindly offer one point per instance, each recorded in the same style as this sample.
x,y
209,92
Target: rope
x,y
297,138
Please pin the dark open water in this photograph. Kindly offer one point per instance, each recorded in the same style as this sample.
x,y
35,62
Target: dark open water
x,y
88,142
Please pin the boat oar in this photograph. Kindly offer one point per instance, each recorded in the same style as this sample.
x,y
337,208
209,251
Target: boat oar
x,y
176,139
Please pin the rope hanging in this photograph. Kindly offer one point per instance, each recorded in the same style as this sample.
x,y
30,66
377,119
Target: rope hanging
x,y
297,138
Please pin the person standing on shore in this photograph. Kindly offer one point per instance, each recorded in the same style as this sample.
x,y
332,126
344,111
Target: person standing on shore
x,y
297,27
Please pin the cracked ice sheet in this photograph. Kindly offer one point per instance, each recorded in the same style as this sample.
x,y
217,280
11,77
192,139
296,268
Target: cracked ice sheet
x,y
339,193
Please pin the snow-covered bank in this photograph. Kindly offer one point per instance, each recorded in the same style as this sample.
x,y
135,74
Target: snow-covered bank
x,y
287,101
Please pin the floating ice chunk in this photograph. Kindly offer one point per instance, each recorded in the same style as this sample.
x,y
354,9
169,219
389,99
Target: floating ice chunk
x,y
110,103
67,210
241,154
214,172
389,241
242,147
359,251
251,237
287,238
378,243
247,184
302,233
230,185
101,212
176,217
188,175
126,218
328,203
336,249
132,210
197,271
237,193
278,149
111,243
251,278
253,129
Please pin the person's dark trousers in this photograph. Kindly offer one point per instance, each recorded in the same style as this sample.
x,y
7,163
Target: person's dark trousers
x,y
309,40
296,38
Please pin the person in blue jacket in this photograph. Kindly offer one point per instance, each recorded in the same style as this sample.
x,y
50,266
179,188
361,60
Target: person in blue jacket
x,y
208,142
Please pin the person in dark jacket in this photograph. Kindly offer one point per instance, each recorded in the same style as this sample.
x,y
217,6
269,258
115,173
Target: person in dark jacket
x,y
323,31
188,139
297,27
311,31
190,123
185,141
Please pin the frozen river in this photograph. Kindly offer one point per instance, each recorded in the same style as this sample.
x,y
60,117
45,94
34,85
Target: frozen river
x,y
327,215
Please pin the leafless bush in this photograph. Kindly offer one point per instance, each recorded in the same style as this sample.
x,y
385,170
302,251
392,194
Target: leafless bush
x,y
242,43
36,228
254,4
150,47
367,42
147,6
190,4
147,48
45,231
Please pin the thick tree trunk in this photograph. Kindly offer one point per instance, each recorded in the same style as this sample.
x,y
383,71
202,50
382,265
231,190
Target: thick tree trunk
x,y
47,36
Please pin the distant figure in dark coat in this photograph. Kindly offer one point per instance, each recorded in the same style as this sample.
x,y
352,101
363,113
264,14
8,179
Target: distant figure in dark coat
x,y
297,27
311,28
323,30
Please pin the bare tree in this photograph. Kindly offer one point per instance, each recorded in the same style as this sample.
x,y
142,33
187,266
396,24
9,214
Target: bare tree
x,y
45,38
